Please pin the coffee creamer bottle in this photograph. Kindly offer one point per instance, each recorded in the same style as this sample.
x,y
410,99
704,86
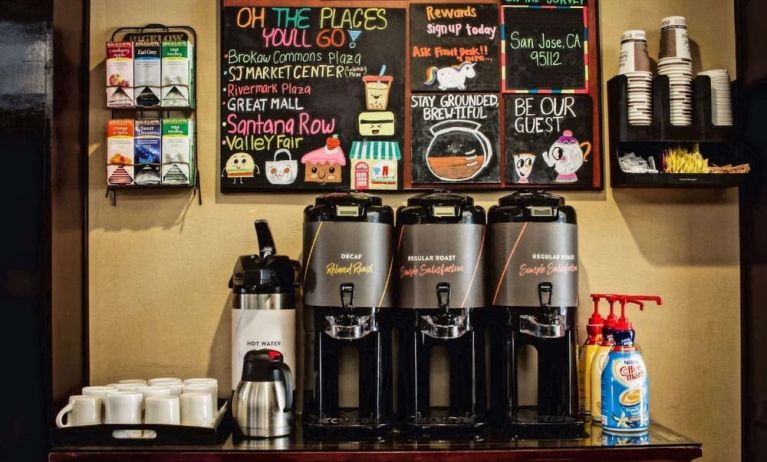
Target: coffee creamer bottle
x,y
599,361
625,386
588,351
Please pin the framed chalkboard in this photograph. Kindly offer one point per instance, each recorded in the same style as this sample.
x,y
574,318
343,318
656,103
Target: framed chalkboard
x,y
549,139
312,97
455,138
454,47
545,48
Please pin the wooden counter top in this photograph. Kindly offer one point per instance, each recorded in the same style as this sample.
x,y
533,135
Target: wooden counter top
x,y
660,444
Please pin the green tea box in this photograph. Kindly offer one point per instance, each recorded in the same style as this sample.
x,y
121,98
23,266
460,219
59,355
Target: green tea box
x,y
177,74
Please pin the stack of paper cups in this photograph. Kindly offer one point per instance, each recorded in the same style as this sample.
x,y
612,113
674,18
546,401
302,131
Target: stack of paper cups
x,y
721,98
676,63
635,65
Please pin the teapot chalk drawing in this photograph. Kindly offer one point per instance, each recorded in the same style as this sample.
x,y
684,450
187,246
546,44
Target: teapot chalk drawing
x,y
567,156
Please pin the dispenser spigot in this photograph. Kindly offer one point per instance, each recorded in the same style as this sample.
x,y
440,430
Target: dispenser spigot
x,y
443,296
347,296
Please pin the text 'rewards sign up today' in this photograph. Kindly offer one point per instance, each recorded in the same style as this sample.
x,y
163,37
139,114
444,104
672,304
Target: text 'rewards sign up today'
x,y
544,47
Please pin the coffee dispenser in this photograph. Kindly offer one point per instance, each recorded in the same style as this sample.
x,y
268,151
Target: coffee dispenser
x,y
441,295
263,303
348,257
533,245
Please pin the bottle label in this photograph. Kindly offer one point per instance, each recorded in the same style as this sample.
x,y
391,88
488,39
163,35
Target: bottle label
x,y
432,253
257,329
337,253
625,403
523,255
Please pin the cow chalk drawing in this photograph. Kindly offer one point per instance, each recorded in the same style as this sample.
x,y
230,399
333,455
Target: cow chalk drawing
x,y
451,77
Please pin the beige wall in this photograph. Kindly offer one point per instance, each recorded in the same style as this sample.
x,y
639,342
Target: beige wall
x,y
159,263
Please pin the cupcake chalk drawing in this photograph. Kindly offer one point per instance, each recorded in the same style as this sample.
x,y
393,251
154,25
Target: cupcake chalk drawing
x,y
325,164
567,156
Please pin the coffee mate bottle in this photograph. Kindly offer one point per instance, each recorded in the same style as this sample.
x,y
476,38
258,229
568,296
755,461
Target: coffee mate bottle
x,y
625,386
599,361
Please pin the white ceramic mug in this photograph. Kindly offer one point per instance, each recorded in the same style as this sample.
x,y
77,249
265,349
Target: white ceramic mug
x,y
175,388
98,390
196,409
152,390
133,381
81,410
210,388
126,386
164,381
123,407
162,410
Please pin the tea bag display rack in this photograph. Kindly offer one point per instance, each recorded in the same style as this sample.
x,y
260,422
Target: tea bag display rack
x,y
718,144
139,112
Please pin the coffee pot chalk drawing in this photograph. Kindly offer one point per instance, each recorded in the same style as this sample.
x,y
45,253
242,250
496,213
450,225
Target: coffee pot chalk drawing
x,y
567,156
458,151
451,77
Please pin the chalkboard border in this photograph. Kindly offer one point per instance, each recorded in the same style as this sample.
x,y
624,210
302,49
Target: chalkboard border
x,y
406,185
535,91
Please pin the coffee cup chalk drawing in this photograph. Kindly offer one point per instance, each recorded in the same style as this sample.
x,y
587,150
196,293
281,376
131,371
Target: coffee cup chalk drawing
x,y
239,167
455,138
523,165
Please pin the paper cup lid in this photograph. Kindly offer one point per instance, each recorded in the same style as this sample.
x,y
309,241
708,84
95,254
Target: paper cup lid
x,y
633,35
673,21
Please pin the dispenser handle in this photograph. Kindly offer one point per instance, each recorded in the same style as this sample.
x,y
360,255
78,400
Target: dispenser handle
x,y
264,236
347,295
545,291
287,377
443,295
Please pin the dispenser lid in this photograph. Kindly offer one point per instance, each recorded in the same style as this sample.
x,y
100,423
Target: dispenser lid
x,y
526,198
256,274
440,198
263,365
350,198
264,272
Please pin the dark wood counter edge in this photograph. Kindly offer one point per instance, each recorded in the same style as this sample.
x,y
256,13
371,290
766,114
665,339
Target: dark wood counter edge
x,y
605,454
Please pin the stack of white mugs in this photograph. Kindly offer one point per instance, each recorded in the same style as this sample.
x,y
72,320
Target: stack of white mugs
x,y
676,63
160,401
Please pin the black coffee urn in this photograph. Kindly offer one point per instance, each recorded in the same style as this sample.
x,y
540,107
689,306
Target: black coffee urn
x,y
533,276
348,258
440,305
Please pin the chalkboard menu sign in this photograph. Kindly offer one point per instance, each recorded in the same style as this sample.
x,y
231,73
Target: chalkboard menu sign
x,y
545,48
455,138
549,139
312,97
454,47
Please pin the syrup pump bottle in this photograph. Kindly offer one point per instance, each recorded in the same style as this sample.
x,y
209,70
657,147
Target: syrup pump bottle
x,y
625,386
600,359
588,351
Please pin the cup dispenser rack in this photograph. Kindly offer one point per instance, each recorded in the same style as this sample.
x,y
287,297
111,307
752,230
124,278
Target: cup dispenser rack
x,y
138,112
718,144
